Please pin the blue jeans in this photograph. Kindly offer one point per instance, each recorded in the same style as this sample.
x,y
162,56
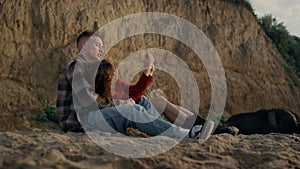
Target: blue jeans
x,y
142,116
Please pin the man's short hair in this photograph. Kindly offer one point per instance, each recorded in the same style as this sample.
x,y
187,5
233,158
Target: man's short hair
x,y
86,33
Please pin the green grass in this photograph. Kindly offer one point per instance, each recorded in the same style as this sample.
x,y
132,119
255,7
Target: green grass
x,y
48,114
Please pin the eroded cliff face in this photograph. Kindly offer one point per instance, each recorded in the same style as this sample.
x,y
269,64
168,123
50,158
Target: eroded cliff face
x,y
39,37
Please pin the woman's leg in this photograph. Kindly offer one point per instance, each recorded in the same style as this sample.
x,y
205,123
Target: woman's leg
x,y
175,114
185,111
183,117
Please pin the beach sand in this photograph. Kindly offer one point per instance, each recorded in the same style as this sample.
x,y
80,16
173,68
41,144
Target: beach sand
x,y
44,148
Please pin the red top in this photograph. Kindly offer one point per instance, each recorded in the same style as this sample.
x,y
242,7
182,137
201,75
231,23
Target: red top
x,y
135,91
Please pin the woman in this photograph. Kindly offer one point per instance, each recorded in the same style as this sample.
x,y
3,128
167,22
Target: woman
x,y
114,116
173,113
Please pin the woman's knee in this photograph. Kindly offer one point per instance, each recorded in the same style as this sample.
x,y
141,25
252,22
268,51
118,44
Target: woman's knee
x,y
162,99
159,99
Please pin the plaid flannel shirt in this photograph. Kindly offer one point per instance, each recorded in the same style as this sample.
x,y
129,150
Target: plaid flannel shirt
x,y
66,115
76,86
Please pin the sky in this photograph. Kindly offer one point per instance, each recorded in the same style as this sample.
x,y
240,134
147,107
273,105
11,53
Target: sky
x,y
286,11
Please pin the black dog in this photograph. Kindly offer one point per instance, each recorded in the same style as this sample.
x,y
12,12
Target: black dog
x,y
265,121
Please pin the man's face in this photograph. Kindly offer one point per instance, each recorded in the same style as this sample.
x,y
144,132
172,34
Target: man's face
x,y
92,48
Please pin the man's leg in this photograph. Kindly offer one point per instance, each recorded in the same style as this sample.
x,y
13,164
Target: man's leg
x,y
135,116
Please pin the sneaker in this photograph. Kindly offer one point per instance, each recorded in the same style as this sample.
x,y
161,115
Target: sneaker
x,y
206,131
202,133
195,131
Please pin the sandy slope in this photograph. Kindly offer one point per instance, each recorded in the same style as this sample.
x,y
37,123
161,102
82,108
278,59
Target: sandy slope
x,y
49,149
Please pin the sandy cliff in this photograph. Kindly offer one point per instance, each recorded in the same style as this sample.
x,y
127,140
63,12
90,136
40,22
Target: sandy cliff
x,y
38,38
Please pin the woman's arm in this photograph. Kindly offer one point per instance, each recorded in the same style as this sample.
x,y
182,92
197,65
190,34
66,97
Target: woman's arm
x,y
137,90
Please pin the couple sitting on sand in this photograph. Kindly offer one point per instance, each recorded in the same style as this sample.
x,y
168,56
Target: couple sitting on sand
x,y
139,112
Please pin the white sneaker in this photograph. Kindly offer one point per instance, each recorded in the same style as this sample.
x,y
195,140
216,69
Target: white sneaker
x,y
206,131
195,131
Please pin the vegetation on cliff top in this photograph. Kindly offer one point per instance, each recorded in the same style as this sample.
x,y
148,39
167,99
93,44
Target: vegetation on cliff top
x,y
287,45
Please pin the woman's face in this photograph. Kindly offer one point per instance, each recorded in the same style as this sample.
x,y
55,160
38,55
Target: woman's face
x,y
93,49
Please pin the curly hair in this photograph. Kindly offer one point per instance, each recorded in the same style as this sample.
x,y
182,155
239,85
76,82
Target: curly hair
x,y
103,79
